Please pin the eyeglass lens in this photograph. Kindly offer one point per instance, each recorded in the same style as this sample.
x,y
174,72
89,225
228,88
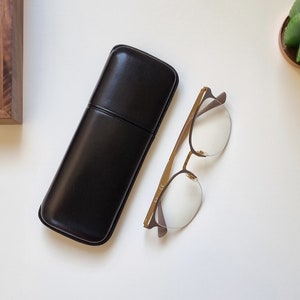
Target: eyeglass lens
x,y
182,197
211,130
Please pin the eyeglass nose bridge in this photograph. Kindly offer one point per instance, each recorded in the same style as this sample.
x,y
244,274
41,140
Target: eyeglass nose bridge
x,y
191,152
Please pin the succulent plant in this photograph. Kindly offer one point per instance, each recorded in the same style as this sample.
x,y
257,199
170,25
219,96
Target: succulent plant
x,y
292,30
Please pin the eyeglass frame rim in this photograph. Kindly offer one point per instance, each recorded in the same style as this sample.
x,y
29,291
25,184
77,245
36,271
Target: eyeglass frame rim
x,y
191,176
166,179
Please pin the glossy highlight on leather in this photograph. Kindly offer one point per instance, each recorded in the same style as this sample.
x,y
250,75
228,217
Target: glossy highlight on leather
x,y
92,184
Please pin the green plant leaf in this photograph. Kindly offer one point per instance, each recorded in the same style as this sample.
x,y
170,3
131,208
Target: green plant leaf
x,y
292,32
298,55
295,9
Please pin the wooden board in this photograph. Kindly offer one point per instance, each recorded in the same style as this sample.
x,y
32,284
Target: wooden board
x,y
11,61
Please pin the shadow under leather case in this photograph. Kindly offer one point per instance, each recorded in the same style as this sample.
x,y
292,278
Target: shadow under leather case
x,y
88,193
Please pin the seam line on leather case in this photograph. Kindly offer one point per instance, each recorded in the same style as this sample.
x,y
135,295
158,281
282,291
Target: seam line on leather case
x,y
116,115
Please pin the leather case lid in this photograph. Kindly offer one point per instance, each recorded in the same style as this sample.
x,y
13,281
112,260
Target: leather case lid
x,y
135,86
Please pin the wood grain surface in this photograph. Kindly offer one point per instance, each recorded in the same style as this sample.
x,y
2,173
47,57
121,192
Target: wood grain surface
x,y
11,61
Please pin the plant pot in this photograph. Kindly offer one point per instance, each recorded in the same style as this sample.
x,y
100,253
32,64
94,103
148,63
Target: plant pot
x,y
289,53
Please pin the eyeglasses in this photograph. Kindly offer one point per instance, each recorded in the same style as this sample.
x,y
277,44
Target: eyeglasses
x,y
178,197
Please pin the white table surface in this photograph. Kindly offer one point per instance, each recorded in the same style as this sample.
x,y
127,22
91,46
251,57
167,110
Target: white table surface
x,y
245,242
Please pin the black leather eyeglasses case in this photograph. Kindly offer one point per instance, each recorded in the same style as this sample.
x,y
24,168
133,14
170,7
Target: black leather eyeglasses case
x,y
90,188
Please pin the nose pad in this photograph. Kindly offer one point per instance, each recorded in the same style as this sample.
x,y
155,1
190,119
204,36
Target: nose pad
x,y
201,153
191,176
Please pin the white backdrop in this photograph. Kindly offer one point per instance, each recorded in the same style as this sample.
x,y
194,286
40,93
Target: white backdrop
x,y
245,242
